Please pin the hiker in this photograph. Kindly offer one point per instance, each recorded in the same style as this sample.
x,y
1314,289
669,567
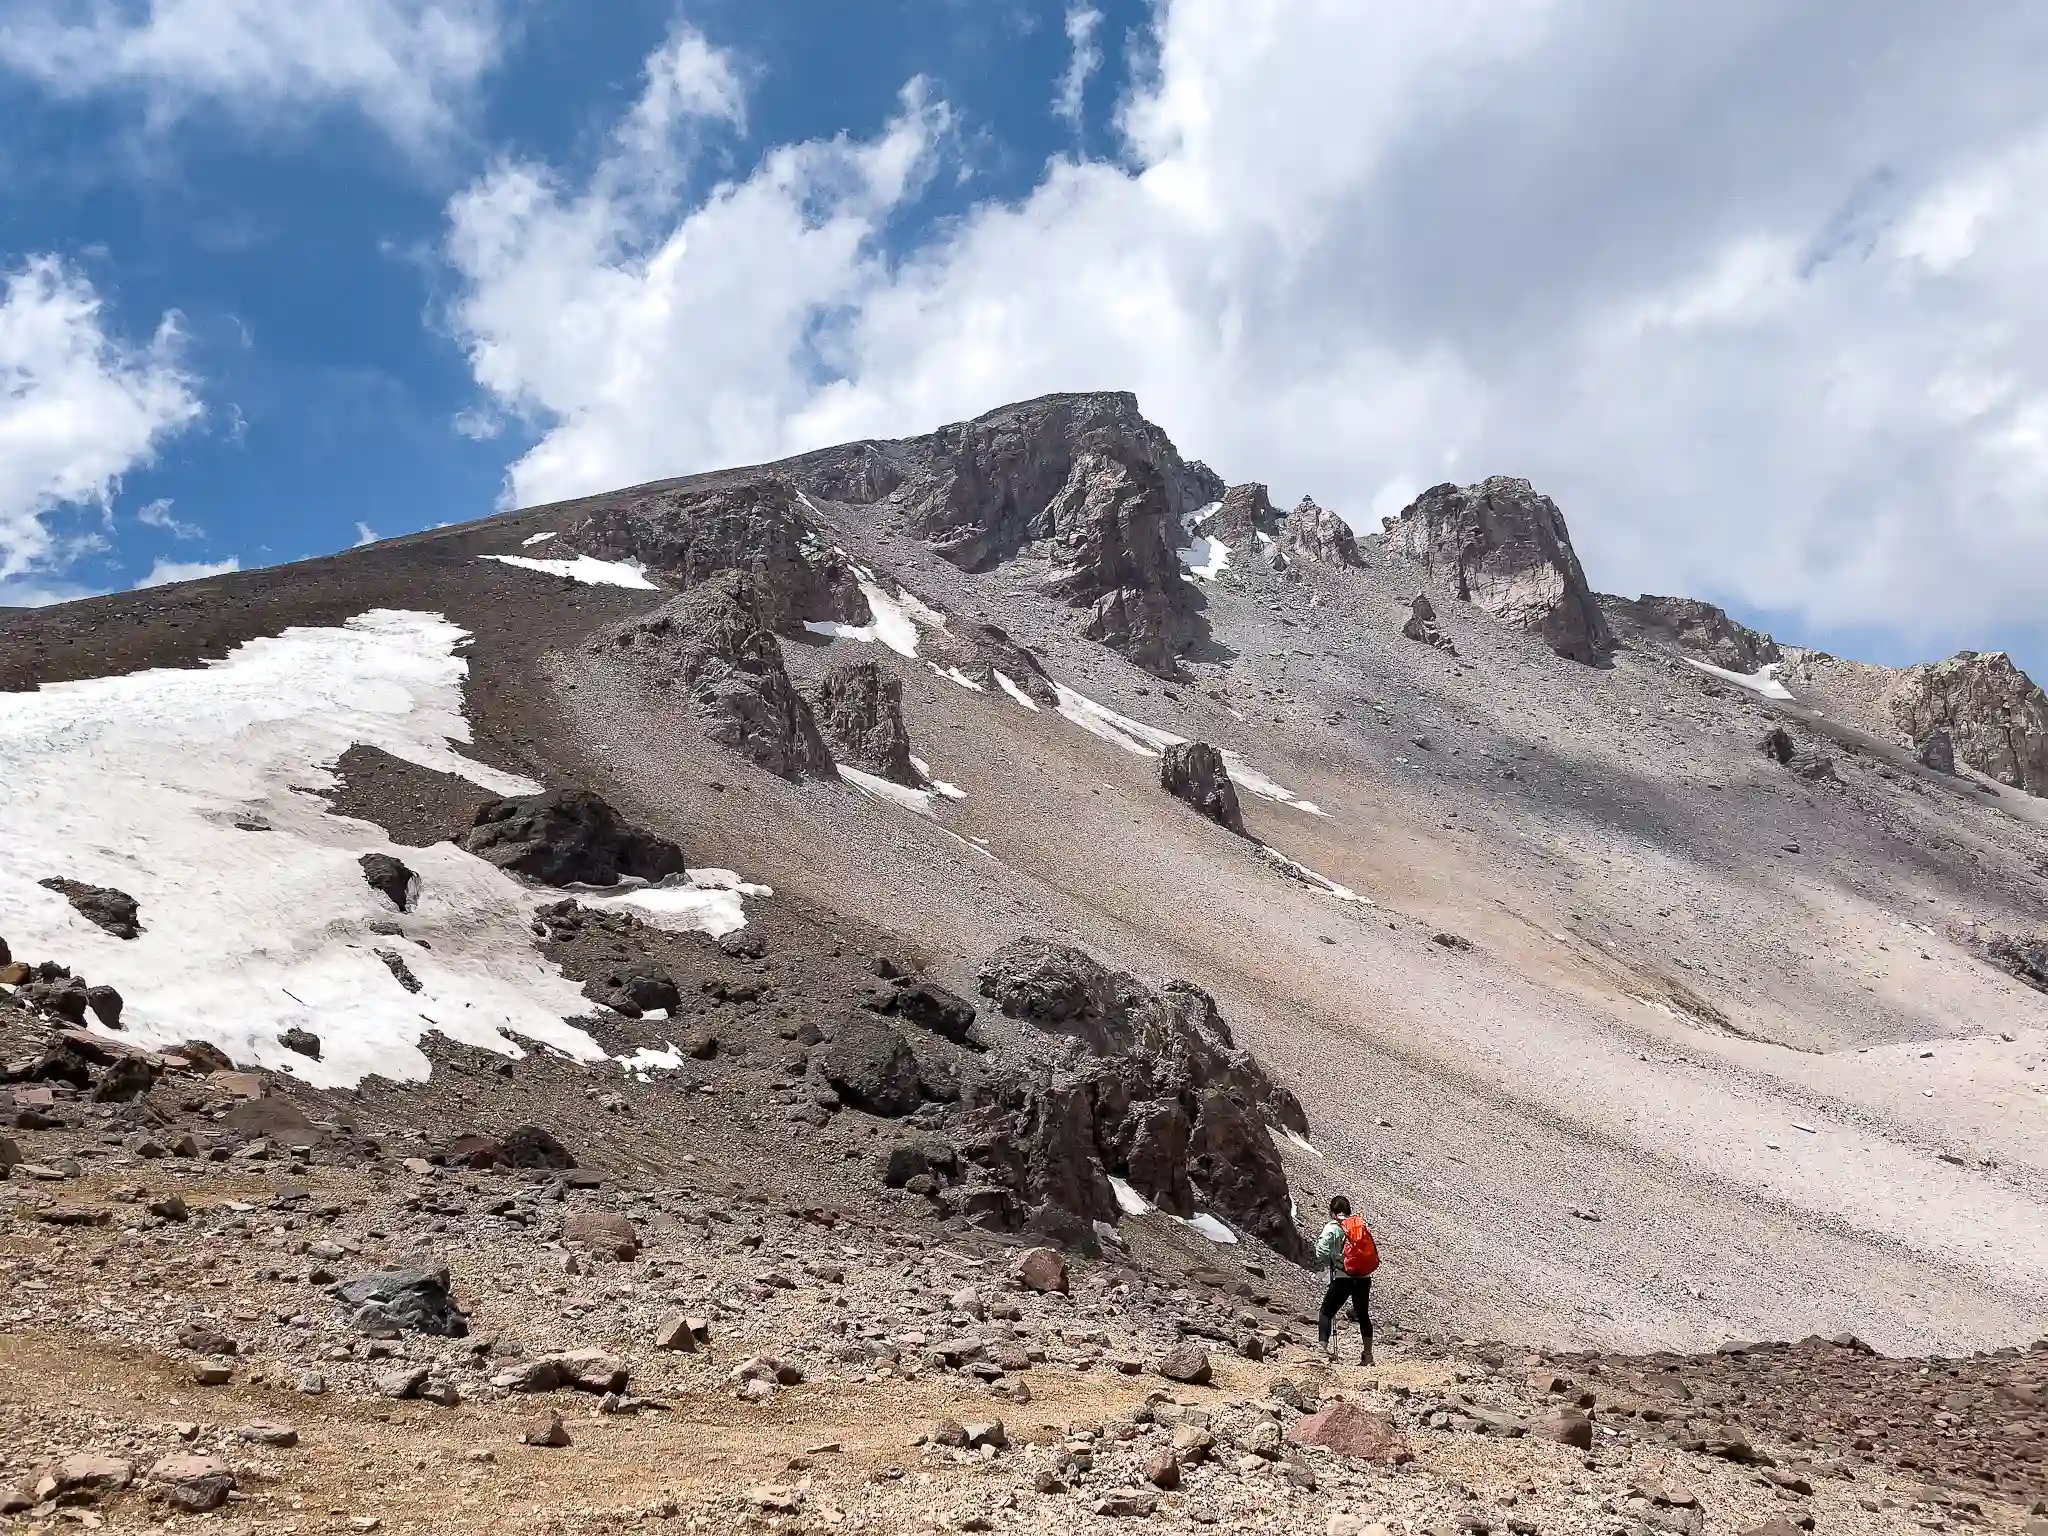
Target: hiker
x,y
1347,1250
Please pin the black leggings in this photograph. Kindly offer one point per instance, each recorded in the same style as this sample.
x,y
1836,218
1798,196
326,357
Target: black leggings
x,y
1356,1289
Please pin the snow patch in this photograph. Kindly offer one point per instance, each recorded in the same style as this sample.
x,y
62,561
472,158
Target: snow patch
x,y
1207,558
708,901
918,800
1297,1138
1003,682
591,573
647,1059
1211,1228
197,791
538,538
1310,878
954,674
1128,1200
1763,682
895,622
1144,740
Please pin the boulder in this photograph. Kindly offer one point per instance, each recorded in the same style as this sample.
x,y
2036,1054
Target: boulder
x,y
931,1007
83,1479
1040,1269
603,1232
991,658
393,1301
528,1146
926,1155
1320,535
1782,748
106,1005
1505,548
636,989
859,709
872,1067
303,1041
1349,1430
115,911
1194,772
569,837
546,1430
1187,1363
390,877
713,651
1689,625
192,1485
1421,624
1996,716
1937,750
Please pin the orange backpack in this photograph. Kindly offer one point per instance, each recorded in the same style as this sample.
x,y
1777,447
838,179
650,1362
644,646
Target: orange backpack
x,y
1361,1253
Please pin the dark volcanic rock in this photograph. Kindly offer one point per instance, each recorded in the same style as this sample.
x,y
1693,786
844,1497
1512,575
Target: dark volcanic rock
x,y
1156,1093
401,887
636,989
569,837
1502,546
931,1007
1194,771
303,1041
1995,714
872,1066
1320,534
115,911
1086,472
756,527
1937,750
2026,959
711,648
1780,747
397,1301
1691,625
106,1005
859,709
1421,624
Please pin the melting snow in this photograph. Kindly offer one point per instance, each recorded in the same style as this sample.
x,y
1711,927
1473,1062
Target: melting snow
x,y
647,1059
894,623
1129,1201
1309,877
1003,682
592,573
918,800
1763,682
1207,558
1298,1139
708,901
538,538
196,790
1211,1228
954,674
1149,741
938,786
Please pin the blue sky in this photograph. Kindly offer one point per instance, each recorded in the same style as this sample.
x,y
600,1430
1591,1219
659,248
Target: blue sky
x,y
1751,290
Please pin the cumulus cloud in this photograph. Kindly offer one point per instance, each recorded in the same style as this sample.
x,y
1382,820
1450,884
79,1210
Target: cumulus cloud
x,y
409,66
165,572
1759,308
157,514
79,408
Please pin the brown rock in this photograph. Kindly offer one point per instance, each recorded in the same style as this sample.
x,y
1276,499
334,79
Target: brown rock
x,y
1040,1269
193,1485
1350,1430
602,1232
1161,1470
1127,1504
1568,1428
684,1334
1187,1362
1995,715
83,1479
546,1430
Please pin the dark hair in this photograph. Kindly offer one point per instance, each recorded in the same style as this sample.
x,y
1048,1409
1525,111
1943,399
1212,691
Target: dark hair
x,y
1339,1206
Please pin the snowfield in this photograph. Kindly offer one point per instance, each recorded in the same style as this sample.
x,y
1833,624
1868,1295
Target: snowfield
x,y
583,569
199,792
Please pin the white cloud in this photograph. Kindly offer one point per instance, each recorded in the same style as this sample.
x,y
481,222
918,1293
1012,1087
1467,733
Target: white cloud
x,y
409,66
165,572
365,534
1761,309
79,408
1082,62
157,514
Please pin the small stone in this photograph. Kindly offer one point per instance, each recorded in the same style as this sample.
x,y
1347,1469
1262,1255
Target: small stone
x,y
1127,1504
1187,1362
1161,1470
1040,1269
280,1436
403,1383
547,1430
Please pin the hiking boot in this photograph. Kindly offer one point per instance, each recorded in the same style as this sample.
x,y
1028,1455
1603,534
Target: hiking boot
x,y
1365,1355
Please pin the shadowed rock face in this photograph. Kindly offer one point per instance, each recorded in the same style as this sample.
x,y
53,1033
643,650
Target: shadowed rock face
x,y
1194,772
1996,716
1157,1093
1505,548
1246,512
1694,626
711,647
757,527
1086,472
569,837
859,709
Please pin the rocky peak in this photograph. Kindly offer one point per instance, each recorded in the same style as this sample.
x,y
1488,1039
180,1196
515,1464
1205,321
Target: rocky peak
x,y
1504,547
755,525
712,650
1320,534
859,709
1996,716
1242,514
1691,625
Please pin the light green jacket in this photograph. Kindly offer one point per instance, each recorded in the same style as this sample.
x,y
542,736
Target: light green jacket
x,y
1330,1249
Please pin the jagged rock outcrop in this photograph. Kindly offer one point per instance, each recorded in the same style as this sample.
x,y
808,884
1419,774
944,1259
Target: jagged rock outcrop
x,y
1420,625
980,651
569,837
859,709
1153,1090
1937,750
1194,772
1782,748
1244,514
712,650
1995,714
1505,548
755,526
1085,472
392,877
1320,534
1691,625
